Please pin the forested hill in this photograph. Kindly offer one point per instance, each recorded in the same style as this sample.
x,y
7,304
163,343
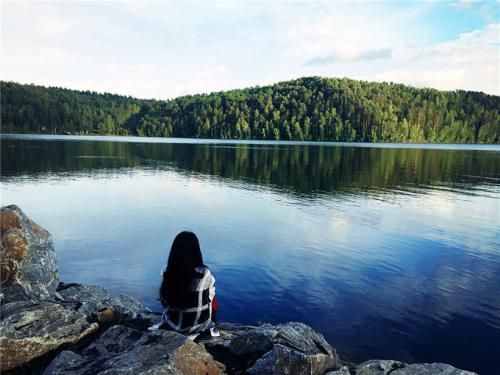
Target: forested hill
x,y
303,109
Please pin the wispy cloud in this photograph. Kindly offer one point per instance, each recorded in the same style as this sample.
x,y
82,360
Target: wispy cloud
x,y
369,55
469,62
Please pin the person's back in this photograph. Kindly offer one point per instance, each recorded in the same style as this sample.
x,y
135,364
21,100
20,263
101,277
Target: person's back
x,y
188,288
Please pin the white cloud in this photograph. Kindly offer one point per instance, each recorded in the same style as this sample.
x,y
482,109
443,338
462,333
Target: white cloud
x,y
166,49
470,62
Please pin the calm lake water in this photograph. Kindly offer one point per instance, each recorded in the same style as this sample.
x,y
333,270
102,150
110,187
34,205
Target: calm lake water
x,y
390,252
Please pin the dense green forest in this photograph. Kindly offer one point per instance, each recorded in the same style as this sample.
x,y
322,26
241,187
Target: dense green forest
x,y
304,109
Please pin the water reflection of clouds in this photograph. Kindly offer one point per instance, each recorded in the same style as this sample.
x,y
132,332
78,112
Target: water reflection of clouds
x,y
433,214
435,211
473,220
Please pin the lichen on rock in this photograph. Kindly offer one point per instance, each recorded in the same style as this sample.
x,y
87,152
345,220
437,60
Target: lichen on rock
x,y
29,331
28,269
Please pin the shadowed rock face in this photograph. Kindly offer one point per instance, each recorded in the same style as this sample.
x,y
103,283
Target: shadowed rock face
x,y
386,367
292,348
31,331
378,367
28,269
430,369
344,370
98,303
123,350
297,349
283,360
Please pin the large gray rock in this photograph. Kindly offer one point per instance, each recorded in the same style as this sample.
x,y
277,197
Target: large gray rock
x,y
28,269
431,369
123,351
99,304
378,367
30,331
385,367
344,370
292,348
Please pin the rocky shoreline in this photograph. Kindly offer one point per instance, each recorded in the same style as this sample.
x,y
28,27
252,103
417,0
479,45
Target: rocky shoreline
x,y
53,328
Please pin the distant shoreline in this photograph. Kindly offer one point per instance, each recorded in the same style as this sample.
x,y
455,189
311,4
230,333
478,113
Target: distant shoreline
x,y
145,139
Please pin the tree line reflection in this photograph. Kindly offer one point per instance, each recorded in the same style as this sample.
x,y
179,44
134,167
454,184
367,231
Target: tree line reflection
x,y
299,169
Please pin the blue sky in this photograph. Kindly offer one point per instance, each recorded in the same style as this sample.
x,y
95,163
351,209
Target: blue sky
x,y
165,49
448,22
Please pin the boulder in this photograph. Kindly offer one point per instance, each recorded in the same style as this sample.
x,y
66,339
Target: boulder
x,y
28,269
30,331
431,369
292,348
344,370
124,350
378,367
99,304
384,367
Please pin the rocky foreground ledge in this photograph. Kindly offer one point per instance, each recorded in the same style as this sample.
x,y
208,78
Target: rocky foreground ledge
x,y
53,328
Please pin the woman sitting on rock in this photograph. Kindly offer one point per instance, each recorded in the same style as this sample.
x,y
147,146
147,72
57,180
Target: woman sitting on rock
x,y
187,290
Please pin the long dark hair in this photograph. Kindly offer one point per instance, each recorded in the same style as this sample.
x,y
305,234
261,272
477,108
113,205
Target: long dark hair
x,y
185,256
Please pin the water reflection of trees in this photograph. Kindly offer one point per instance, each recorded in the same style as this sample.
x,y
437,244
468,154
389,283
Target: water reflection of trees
x,y
298,168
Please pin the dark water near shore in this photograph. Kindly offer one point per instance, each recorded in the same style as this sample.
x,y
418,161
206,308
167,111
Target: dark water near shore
x,y
390,252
